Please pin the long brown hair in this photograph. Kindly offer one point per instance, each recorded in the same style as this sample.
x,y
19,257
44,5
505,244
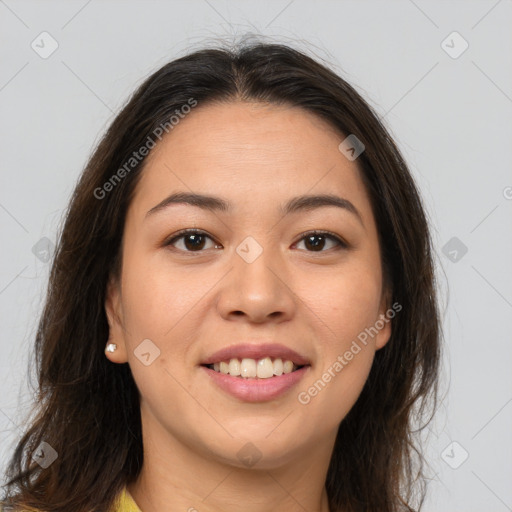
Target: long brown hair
x,y
88,409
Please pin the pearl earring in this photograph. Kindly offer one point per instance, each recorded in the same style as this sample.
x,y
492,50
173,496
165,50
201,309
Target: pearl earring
x,y
111,347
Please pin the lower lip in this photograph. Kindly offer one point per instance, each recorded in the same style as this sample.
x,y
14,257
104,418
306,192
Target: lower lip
x,y
256,390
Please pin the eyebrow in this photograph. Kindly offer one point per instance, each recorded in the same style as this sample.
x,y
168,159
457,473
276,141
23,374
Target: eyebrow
x,y
296,204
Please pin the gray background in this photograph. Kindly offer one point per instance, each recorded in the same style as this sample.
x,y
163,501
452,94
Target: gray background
x,y
450,117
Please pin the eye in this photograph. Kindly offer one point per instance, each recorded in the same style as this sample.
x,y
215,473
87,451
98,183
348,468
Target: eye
x,y
193,240
316,240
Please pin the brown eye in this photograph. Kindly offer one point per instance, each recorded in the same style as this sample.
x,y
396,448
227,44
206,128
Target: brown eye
x,y
316,241
192,241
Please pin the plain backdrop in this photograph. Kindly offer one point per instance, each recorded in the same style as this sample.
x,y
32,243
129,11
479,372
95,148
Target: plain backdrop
x,y
439,73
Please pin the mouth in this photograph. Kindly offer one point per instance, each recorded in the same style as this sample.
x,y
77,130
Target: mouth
x,y
256,372
252,380
248,368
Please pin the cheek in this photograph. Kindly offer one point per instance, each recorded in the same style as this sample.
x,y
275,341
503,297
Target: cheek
x,y
155,297
328,397
345,308
157,305
346,302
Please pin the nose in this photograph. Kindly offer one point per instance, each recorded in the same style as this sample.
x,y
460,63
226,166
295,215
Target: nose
x,y
259,291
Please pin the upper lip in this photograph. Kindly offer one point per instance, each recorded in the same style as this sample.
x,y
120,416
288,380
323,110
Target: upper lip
x,y
256,351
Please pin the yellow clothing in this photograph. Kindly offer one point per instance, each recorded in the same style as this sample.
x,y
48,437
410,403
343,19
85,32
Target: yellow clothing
x,y
125,503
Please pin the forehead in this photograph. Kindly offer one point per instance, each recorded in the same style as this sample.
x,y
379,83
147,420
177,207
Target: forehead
x,y
252,154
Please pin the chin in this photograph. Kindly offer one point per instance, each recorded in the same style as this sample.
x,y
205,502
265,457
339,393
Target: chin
x,y
258,454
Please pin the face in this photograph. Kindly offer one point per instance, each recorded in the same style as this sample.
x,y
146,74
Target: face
x,y
251,273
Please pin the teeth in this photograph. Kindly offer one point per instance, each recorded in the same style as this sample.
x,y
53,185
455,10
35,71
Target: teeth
x,y
287,367
265,368
234,367
250,368
278,367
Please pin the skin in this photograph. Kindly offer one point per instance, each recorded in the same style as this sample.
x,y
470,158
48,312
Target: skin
x,y
191,304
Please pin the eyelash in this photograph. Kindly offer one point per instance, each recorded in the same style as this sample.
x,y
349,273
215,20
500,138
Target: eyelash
x,y
341,243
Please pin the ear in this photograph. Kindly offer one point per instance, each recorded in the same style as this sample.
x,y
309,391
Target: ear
x,y
113,309
383,322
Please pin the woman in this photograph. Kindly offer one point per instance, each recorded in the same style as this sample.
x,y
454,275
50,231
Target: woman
x,y
242,307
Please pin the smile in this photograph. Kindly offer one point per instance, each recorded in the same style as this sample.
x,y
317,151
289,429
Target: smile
x,y
248,368
255,388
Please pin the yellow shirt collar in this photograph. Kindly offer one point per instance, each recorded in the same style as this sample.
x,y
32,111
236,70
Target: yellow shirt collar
x,y
126,503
